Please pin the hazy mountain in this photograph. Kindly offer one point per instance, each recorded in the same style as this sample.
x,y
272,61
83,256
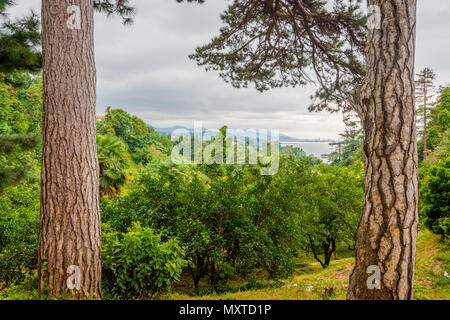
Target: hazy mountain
x,y
283,137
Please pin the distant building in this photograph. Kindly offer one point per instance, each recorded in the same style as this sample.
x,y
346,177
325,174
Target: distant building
x,y
100,117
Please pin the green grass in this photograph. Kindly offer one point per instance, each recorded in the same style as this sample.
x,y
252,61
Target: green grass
x,y
310,280
308,283
433,259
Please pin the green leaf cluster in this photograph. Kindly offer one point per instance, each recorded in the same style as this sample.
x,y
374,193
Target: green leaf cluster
x,y
138,264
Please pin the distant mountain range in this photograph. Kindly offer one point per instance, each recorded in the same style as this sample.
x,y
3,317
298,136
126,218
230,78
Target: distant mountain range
x,y
283,138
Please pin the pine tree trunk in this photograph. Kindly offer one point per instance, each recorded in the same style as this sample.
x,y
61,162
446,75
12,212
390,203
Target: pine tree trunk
x,y
425,142
387,229
70,232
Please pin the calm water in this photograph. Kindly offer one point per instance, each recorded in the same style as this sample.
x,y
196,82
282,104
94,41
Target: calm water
x,y
314,148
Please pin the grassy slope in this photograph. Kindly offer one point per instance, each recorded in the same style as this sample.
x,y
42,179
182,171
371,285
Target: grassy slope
x,y
310,280
433,259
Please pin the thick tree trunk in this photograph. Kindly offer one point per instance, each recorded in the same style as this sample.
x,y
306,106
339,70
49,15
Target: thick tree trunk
x,y
70,234
387,229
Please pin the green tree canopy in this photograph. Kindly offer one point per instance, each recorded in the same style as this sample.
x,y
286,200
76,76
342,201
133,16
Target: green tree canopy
x,y
330,212
143,142
435,194
19,42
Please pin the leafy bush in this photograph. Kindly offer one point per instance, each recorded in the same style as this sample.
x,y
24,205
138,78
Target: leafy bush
x,y
137,264
114,162
435,196
19,232
151,203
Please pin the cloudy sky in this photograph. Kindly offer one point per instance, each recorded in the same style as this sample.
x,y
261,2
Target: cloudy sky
x,y
145,70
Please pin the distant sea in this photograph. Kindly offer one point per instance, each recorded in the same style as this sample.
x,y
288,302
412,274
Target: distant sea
x,y
311,148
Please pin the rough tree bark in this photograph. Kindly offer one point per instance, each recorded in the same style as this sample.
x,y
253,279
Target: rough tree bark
x,y
70,232
387,229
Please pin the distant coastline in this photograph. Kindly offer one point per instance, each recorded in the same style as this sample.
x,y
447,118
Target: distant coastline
x,y
284,139
316,148
287,142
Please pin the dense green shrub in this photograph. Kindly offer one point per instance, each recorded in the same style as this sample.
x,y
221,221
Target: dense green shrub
x,y
435,196
114,164
137,264
19,232
152,202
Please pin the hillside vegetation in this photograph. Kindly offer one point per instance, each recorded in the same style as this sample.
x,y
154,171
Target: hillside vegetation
x,y
212,230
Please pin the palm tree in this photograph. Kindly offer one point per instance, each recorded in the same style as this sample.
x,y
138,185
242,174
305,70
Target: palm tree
x,y
114,160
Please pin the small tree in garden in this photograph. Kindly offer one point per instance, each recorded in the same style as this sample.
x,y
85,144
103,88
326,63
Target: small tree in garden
x,y
331,212
424,100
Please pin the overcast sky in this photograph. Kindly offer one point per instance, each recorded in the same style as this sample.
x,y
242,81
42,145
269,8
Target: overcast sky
x,y
145,70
